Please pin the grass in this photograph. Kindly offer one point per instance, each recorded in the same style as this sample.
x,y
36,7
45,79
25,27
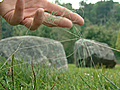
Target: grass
x,y
35,77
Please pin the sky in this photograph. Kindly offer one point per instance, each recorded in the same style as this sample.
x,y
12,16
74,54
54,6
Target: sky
x,y
75,3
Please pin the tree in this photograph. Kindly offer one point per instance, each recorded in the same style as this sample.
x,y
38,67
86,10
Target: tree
x,y
117,11
67,5
57,2
118,41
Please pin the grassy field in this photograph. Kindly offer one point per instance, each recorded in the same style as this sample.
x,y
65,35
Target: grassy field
x,y
34,77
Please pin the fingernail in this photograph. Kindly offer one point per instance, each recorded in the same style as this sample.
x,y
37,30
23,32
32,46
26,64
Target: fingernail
x,y
40,13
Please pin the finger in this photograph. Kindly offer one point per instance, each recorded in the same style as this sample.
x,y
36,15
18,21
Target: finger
x,y
53,21
38,19
18,13
27,22
61,11
34,23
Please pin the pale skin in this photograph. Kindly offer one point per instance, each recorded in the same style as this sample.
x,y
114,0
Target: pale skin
x,y
33,13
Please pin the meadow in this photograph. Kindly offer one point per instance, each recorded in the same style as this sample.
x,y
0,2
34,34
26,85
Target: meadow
x,y
102,27
26,76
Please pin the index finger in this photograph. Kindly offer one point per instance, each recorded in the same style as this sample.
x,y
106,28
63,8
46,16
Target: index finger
x,y
64,12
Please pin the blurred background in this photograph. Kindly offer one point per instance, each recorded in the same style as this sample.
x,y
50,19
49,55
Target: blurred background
x,y
102,23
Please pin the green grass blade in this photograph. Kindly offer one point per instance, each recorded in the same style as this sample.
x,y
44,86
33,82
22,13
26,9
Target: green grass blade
x,y
111,82
85,81
12,70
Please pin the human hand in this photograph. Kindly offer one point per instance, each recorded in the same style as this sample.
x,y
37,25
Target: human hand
x,y
33,13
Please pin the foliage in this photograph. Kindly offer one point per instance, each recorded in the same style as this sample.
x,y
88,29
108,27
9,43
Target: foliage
x,y
100,12
7,29
101,34
101,24
118,45
52,79
118,41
